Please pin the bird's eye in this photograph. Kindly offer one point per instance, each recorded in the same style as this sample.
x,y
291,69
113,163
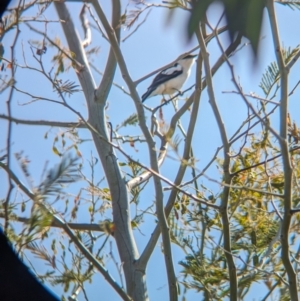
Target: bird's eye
x,y
176,64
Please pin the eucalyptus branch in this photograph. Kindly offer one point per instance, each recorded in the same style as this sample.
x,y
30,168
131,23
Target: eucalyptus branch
x,y
155,235
79,124
54,224
252,95
86,27
97,22
148,173
58,222
135,283
110,68
227,176
185,158
167,181
114,84
153,160
9,113
287,166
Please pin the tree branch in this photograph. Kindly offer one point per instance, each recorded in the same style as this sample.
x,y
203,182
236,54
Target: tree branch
x,y
58,222
9,113
226,164
110,69
73,226
152,154
287,166
79,125
135,283
207,40
155,235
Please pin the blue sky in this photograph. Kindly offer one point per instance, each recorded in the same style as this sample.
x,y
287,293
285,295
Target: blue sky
x,y
152,46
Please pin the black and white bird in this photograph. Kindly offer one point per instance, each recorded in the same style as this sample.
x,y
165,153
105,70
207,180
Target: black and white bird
x,y
170,80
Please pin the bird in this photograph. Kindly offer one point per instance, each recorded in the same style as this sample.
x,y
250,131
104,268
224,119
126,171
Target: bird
x,y
171,79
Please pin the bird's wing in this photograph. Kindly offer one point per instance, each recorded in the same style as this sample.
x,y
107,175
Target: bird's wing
x,y
163,77
166,75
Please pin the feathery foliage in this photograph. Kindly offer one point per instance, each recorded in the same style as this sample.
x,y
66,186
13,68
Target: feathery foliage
x,y
65,172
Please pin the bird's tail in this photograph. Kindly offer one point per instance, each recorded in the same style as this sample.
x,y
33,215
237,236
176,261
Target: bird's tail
x,y
147,94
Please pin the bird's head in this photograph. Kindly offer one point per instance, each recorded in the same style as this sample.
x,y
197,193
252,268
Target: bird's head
x,y
187,61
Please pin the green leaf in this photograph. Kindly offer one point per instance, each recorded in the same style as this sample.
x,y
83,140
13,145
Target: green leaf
x,y
197,15
272,75
243,17
293,4
55,151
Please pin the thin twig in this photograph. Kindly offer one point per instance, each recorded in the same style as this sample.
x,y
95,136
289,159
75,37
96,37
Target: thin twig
x,y
9,113
207,40
79,124
62,224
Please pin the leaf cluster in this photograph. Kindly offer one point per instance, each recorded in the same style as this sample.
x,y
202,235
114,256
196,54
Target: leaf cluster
x,y
272,75
242,17
65,172
255,224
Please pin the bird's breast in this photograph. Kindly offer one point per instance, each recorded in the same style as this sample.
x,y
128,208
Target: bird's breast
x,y
174,84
